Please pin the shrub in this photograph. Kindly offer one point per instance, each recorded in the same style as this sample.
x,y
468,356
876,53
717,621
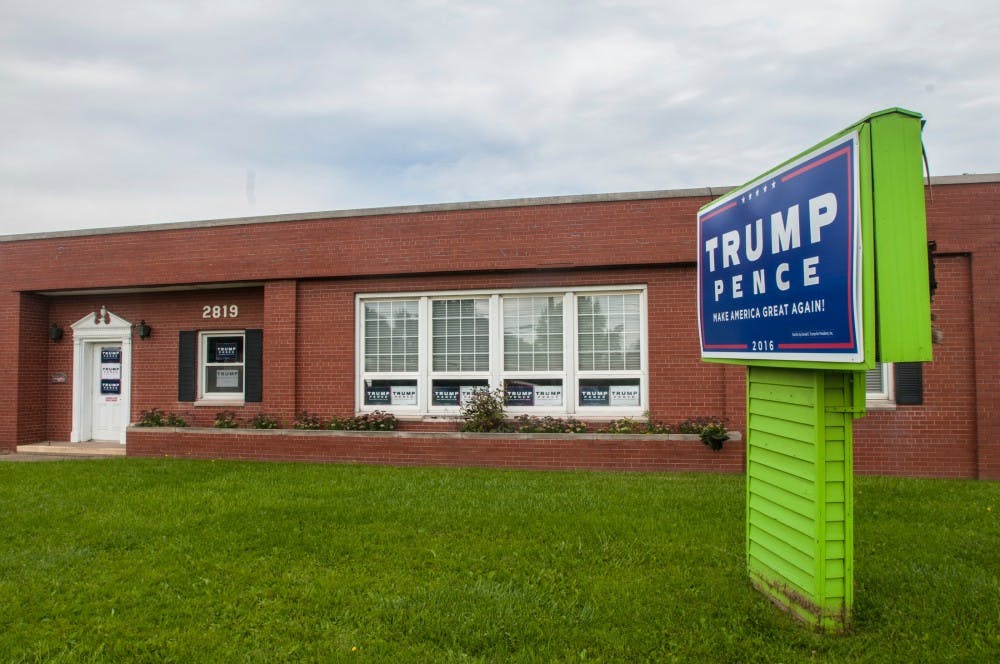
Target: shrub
x,y
264,421
485,411
225,419
374,421
625,425
342,424
532,424
629,425
711,430
714,434
154,417
176,420
308,421
377,421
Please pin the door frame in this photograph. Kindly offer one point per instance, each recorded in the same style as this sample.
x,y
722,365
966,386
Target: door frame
x,y
98,327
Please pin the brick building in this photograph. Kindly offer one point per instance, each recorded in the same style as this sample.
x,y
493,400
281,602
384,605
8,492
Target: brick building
x,y
581,306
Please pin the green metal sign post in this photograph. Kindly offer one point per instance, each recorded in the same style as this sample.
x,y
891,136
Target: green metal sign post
x,y
809,275
800,508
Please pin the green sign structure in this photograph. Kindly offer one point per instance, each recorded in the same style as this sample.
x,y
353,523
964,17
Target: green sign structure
x,y
809,275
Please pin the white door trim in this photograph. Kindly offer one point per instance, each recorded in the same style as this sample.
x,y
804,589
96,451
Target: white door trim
x,y
97,328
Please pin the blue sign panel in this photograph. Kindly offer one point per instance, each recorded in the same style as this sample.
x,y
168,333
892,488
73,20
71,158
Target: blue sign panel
x,y
520,394
779,274
594,395
111,355
111,387
446,395
378,395
226,351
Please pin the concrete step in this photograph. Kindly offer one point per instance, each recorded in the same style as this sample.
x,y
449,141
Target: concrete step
x,y
94,448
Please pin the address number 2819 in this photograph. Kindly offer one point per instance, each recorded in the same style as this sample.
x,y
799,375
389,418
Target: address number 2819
x,y
220,311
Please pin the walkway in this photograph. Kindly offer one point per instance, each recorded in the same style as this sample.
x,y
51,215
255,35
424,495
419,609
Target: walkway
x,y
57,450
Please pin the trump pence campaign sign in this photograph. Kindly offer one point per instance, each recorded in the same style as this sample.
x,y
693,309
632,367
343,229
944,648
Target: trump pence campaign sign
x,y
779,263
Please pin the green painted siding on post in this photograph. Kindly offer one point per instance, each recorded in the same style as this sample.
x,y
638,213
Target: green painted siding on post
x,y
799,493
902,289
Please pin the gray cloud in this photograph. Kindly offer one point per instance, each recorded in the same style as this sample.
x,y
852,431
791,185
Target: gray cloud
x,y
131,113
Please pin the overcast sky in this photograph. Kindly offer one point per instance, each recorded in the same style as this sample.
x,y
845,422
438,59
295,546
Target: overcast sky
x,y
128,112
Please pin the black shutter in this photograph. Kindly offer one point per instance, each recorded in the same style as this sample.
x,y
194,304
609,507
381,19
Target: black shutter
x,y
909,383
254,359
187,363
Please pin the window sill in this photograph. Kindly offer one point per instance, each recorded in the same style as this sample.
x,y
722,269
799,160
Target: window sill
x,y
457,417
219,403
880,404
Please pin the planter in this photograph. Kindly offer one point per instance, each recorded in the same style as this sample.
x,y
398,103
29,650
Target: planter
x,y
590,451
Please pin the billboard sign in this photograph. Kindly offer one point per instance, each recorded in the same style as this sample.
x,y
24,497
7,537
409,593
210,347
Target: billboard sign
x,y
779,263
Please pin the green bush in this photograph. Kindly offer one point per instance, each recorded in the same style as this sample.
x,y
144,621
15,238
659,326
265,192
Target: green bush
x,y
712,430
645,426
693,425
714,434
484,411
307,421
625,425
532,424
264,421
342,424
377,421
154,417
175,420
225,419
374,421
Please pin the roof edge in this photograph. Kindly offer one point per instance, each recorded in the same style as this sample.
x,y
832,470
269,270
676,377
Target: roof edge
x,y
434,207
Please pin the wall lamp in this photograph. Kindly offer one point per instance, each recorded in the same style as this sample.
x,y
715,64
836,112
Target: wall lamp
x,y
143,330
55,332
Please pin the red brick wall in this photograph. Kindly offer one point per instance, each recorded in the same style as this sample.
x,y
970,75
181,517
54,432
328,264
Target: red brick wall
x,y
985,331
531,452
154,360
937,438
280,350
656,231
683,385
30,398
312,269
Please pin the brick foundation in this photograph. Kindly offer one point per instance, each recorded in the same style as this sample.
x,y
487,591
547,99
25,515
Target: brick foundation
x,y
674,453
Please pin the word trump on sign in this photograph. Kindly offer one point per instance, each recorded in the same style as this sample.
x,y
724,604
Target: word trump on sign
x,y
785,236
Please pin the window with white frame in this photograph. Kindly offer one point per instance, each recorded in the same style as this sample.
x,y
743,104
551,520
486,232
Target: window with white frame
x,y
223,365
533,352
878,383
391,338
560,352
610,350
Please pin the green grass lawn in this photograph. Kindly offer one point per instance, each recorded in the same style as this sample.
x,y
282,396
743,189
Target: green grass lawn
x,y
166,560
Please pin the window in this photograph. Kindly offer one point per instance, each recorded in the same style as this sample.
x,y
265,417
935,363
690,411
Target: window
x,y
533,352
392,353
579,351
878,383
610,351
222,365
460,335
608,332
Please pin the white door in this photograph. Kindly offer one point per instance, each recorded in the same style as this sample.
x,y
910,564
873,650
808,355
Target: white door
x,y
106,392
